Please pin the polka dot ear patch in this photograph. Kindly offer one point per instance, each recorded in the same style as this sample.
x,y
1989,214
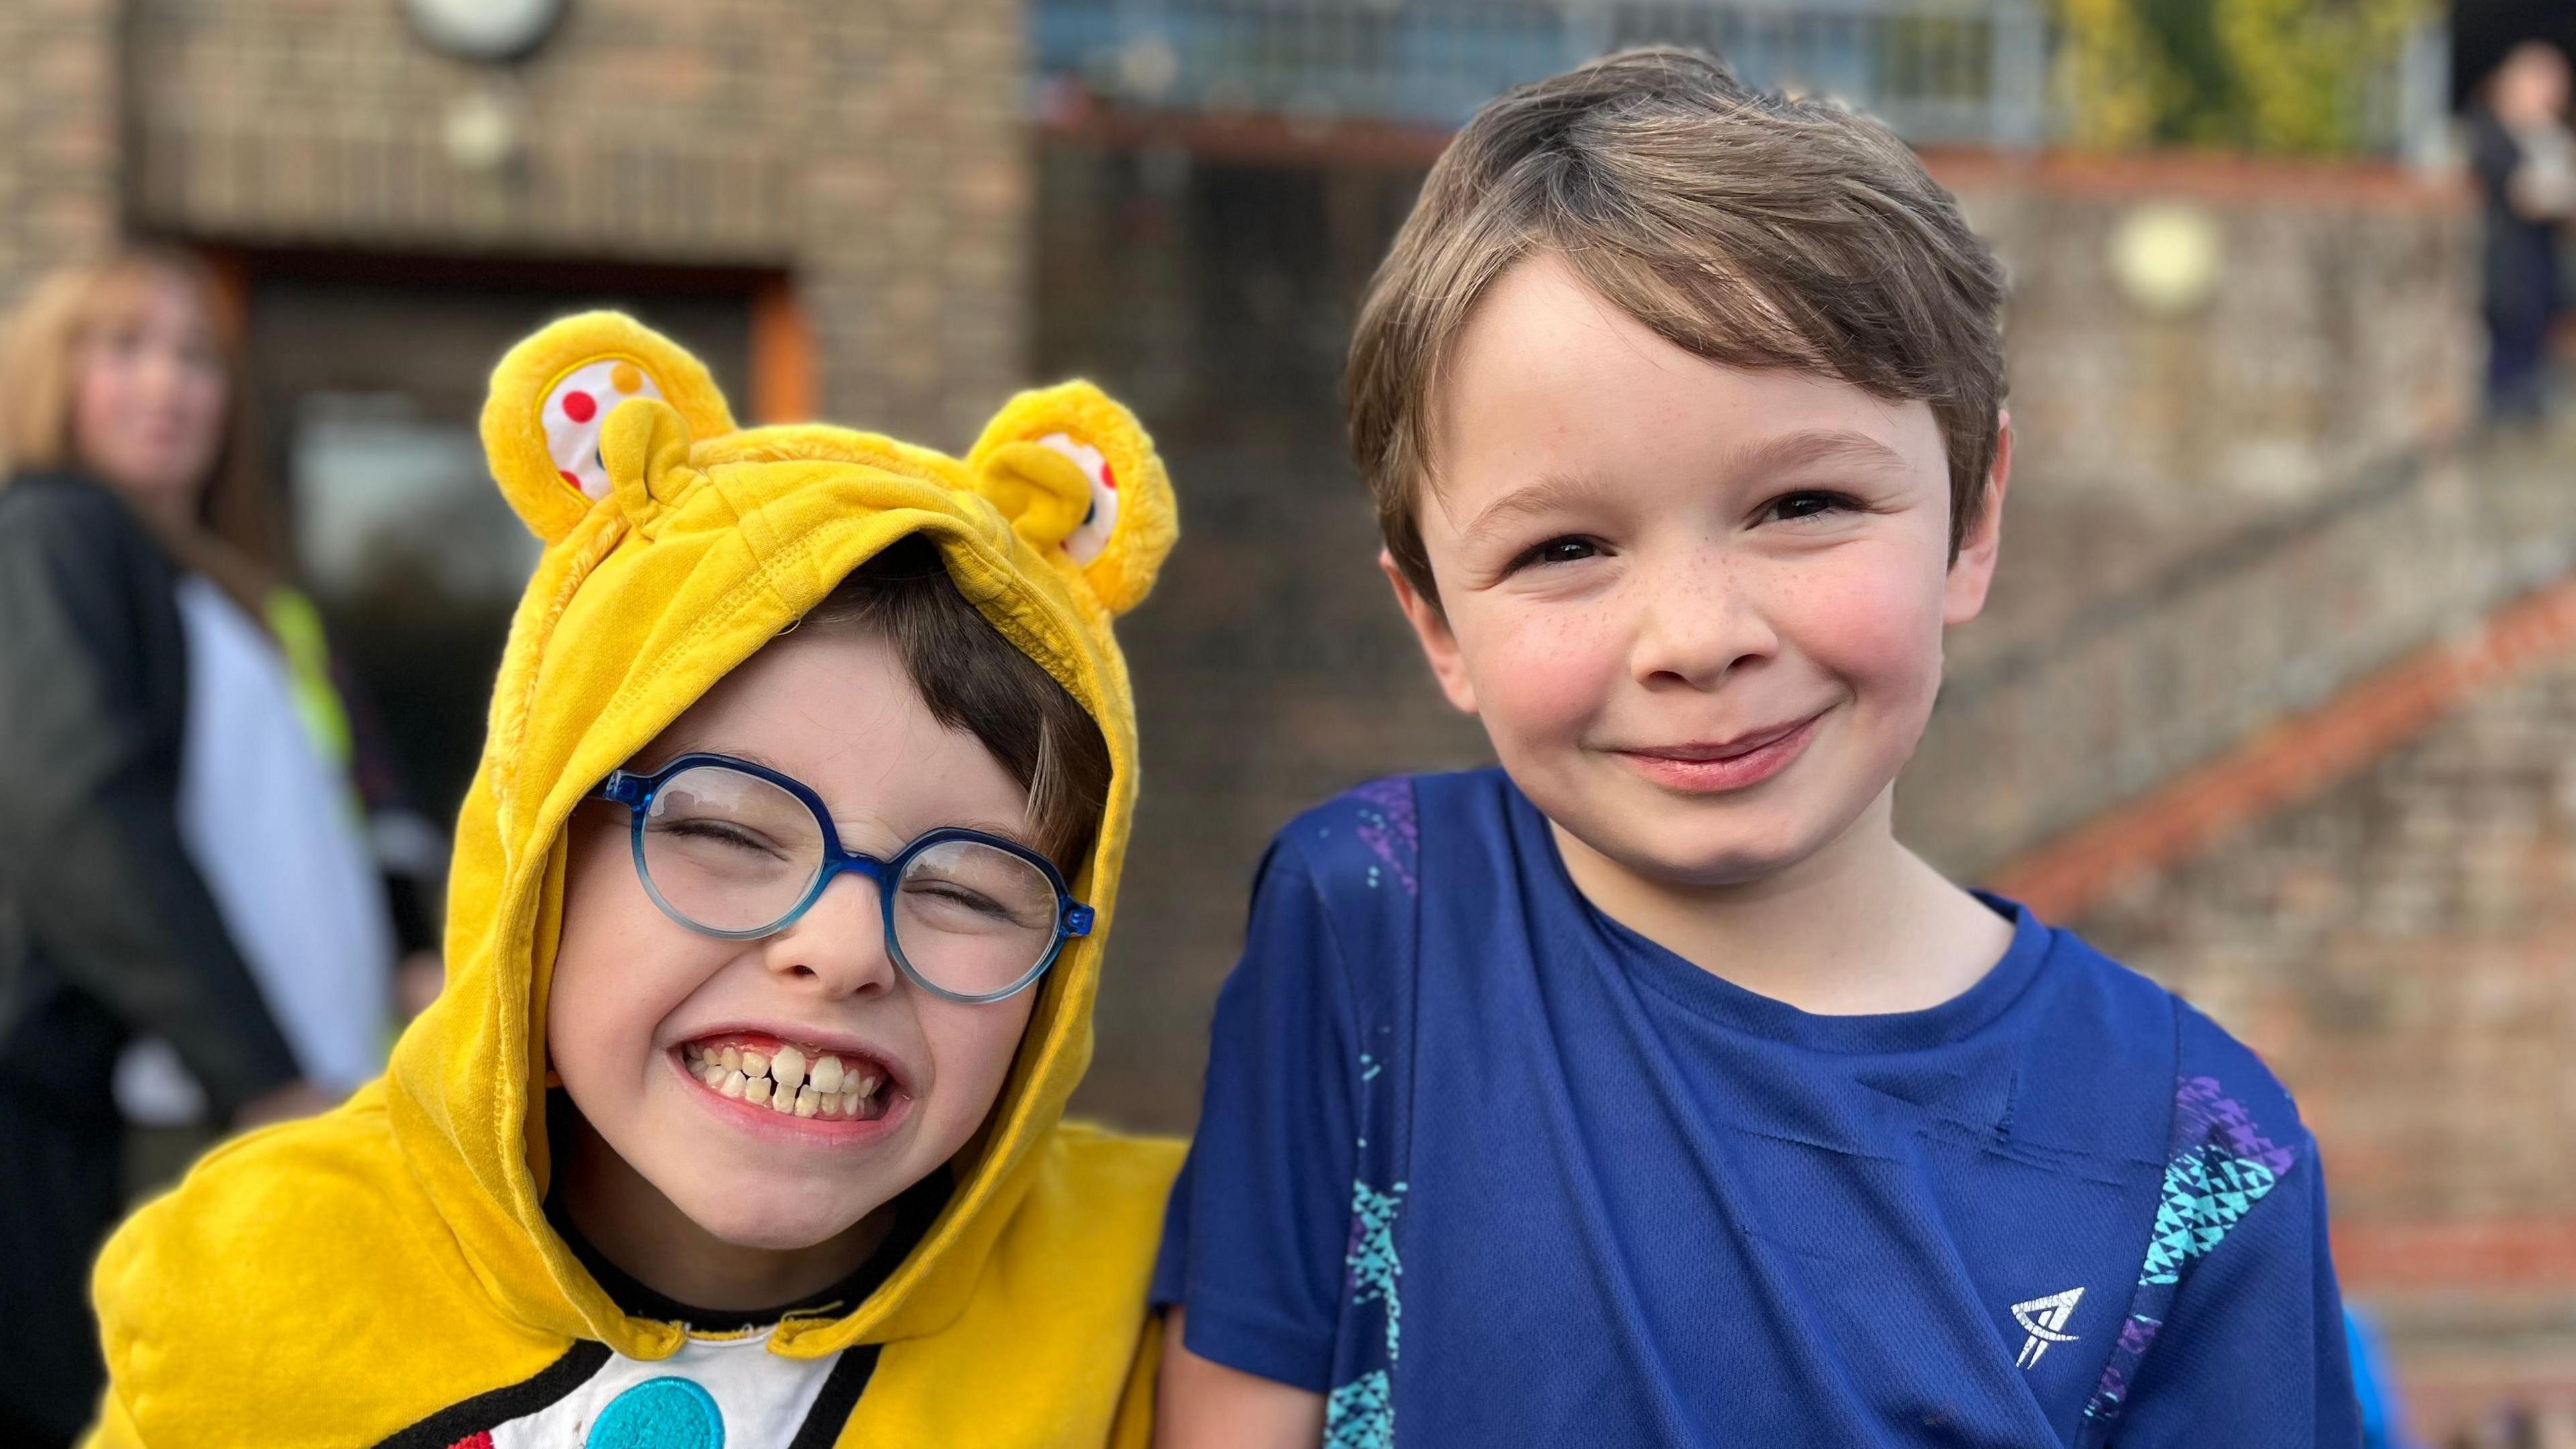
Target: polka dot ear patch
x,y
576,407
1076,476
1101,519
553,396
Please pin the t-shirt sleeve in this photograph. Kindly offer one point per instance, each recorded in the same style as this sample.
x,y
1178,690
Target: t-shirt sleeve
x,y
2253,1348
1253,1244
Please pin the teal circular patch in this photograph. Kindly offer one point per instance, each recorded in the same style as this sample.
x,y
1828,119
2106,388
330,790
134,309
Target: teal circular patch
x,y
664,1413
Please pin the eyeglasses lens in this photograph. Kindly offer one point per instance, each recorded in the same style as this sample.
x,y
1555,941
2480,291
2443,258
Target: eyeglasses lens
x,y
734,853
972,918
730,851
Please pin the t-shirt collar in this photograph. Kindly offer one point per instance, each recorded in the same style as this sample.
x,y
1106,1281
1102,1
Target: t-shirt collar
x,y
1686,984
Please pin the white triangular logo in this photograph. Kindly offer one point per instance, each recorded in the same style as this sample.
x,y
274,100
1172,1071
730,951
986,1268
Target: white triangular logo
x,y
2045,1319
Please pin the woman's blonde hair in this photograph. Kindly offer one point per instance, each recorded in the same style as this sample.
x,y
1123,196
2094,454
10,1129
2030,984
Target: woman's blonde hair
x,y
39,351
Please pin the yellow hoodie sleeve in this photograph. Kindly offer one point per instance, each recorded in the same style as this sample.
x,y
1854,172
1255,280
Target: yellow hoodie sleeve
x,y
1134,1426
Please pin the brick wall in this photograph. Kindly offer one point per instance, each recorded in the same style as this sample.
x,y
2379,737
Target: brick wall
x,y
1271,667
918,224
2136,685
873,149
2338,329
2222,513
2398,948
2401,947
58,197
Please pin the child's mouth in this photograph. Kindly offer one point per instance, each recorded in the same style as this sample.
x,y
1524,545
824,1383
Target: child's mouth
x,y
1716,768
790,1079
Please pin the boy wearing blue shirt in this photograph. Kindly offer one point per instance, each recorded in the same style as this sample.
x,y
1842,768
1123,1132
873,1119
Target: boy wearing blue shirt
x,y
1647,1090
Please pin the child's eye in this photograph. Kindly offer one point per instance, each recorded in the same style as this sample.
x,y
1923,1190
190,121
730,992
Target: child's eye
x,y
1557,551
953,894
717,831
949,903
1810,503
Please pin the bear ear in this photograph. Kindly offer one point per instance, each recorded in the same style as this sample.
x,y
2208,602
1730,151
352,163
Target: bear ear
x,y
550,400
1078,478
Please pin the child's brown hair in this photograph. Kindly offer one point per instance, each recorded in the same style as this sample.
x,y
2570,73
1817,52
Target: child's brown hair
x,y
975,680
1748,229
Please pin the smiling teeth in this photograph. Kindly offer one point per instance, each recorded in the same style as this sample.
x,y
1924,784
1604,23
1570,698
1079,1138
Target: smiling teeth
x,y
786,1082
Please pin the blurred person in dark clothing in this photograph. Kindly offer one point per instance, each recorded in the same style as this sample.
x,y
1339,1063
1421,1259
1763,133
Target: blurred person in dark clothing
x,y
191,923
2525,161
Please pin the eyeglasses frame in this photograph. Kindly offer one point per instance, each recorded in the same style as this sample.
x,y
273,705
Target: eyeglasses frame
x,y
637,791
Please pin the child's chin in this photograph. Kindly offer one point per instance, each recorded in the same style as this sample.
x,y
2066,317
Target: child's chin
x,y
1701,854
778,1226
1713,869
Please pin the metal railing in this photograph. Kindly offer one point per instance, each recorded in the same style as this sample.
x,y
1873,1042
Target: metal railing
x,y
1960,71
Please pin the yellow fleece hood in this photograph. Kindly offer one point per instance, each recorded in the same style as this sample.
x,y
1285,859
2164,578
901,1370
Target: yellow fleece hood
x,y
676,546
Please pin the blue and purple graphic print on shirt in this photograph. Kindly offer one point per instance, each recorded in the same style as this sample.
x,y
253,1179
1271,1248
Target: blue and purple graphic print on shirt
x,y
1481,1166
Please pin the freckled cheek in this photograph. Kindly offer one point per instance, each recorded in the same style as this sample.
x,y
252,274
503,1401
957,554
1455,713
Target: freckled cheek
x,y
1541,670
1877,628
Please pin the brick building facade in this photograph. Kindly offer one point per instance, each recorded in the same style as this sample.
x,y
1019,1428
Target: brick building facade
x,y
830,203
59,98
870,154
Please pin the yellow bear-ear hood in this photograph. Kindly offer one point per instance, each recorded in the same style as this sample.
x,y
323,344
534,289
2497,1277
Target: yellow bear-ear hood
x,y
676,545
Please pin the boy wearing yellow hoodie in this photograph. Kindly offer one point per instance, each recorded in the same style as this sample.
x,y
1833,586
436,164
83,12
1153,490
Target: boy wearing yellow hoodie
x,y
776,920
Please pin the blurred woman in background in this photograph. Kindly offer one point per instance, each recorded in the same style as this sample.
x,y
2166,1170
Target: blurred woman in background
x,y
191,923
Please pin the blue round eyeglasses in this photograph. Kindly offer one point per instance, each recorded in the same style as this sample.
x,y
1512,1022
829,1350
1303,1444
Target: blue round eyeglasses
x,y
734,849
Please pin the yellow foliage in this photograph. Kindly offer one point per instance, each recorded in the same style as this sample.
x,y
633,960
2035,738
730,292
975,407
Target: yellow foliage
x,y
2274,75
2105,75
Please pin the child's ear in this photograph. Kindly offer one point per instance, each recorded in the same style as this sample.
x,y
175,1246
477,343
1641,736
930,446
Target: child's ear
x,y
1972,569
550,403
1077,477
1431,627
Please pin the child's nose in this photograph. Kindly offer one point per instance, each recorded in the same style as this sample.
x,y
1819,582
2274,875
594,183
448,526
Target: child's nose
x,y
839,945
1697,624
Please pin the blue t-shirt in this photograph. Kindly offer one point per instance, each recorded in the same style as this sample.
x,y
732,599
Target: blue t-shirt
x,y
1483,1166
